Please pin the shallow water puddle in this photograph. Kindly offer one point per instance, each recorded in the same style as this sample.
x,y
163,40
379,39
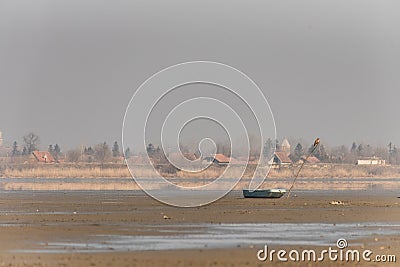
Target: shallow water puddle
x,y
200,236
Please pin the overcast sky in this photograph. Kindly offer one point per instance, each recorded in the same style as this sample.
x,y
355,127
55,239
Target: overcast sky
x,y
328,68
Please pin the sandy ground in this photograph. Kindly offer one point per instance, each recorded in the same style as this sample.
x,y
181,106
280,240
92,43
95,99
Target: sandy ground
x,y
32,220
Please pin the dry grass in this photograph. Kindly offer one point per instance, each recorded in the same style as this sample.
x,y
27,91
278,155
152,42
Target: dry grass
x,y
71,186
121,171
68,172
338,171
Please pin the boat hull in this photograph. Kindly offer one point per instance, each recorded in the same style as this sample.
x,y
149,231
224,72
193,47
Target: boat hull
x,y
264,193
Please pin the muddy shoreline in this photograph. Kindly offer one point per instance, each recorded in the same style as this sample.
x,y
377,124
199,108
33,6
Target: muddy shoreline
x,y
33,221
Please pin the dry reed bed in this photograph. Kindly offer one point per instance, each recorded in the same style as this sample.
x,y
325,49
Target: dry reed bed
x,y
300,185
121,171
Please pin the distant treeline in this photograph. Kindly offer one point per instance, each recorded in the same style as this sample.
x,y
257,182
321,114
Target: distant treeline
x,y
340,154
103,152
100,153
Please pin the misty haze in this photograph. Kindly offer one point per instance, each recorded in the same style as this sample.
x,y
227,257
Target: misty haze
x,y
199,133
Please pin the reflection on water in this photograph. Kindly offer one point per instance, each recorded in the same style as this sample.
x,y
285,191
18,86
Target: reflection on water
x,y
118,180
198,236
60,184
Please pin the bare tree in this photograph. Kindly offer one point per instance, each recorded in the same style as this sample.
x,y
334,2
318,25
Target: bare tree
x,y
340,154
298,153
15,151
127,153
31,141
223,148
57,152
268,148
102,152
73,155
115,150
395,156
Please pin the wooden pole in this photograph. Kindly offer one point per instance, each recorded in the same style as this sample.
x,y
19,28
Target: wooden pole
x,y
316,143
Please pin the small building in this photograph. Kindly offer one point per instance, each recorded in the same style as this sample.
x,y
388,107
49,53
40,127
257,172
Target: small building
x,y
219,159
281,158
43,157
371,161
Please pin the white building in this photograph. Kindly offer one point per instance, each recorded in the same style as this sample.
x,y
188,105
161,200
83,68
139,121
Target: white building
x,y
371,161
1,139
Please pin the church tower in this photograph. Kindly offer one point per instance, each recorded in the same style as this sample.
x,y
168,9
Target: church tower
x,y
1,139
285,146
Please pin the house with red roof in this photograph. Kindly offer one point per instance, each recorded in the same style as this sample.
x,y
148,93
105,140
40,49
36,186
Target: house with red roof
x,y
281,158
219,159
43,157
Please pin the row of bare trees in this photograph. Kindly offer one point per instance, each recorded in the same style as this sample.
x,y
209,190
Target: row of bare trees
x,y
100,153
97,153
30,143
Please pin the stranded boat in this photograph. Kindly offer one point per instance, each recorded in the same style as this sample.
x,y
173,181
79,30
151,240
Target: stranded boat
x,y
278,192
264,193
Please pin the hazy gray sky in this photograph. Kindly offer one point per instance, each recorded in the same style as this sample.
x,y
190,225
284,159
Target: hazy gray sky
x,y
328,68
